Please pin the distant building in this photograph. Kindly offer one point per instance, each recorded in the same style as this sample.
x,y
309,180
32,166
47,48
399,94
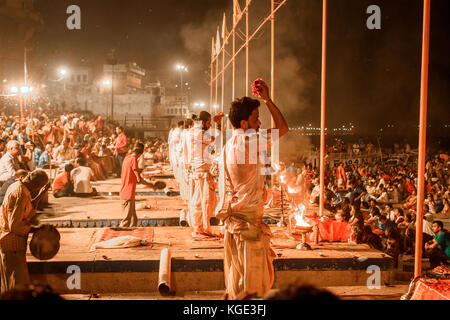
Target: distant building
x,y
127,77
19,22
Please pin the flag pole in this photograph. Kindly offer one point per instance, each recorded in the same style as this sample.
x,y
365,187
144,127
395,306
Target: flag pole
x,y
223,62
272,72
233,81
212,78
217,68
322,111
247,44
422,138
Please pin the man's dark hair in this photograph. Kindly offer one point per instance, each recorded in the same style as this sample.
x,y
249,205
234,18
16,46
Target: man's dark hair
x,y
180,123
81,161
68,167
376,211
241,109
204,116
439,223
194,117
400,210
188,123
138,148
120,127
37,177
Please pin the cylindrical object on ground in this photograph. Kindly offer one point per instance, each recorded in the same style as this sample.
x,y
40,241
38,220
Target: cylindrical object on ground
x,y
169,192
164,272
183,220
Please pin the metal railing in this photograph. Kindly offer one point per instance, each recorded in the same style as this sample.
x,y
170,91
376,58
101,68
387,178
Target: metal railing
x,y
144,123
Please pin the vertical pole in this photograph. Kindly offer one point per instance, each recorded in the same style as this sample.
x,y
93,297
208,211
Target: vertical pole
x,y
322,111
25,74
223,85
25,71
223,75
422,137
233,77
211,83
21,109
112,92
272,72
217,81
233,63
246,48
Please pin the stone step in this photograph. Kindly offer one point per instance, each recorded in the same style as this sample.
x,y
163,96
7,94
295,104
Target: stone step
x,y
343,292
201,274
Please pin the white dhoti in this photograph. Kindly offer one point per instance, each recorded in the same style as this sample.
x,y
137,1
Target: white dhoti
x,y
182,181
248,261
202,202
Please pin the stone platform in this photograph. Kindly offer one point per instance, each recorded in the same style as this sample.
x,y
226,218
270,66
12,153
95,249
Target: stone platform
x,y
197,265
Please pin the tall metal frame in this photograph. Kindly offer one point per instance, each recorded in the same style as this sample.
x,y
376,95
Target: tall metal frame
x,y
218,48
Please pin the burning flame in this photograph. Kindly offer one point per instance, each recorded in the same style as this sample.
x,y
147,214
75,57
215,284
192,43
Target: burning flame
x,y
291,190
298,215
282,179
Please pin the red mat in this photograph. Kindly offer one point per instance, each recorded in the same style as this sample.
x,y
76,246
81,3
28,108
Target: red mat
x,y
141,233
432,290
334,230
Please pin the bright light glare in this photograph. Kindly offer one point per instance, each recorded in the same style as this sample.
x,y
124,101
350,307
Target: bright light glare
x,y
13,89
107,82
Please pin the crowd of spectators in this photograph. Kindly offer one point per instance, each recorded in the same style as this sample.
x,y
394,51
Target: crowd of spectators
x,y
75,148
379,200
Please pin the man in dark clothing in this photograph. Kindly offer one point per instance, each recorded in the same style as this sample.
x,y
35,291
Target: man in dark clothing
x,y
438,249
19,175
358,191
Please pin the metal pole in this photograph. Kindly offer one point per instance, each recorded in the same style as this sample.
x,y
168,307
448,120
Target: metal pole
x,y
112,92
21,109
223,75
246,49
323,104
25,71
211,83
233,80
272,72
181,81
217,80
422,137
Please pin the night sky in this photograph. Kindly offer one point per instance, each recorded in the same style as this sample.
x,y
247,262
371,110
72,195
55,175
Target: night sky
x,y
373,75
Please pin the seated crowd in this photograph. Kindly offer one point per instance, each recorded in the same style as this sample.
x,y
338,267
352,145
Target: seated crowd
x,y
380,203
75,150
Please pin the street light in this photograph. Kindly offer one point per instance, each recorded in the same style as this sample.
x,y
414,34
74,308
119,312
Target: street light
x,y
63,72
181,69
108,83
24,90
